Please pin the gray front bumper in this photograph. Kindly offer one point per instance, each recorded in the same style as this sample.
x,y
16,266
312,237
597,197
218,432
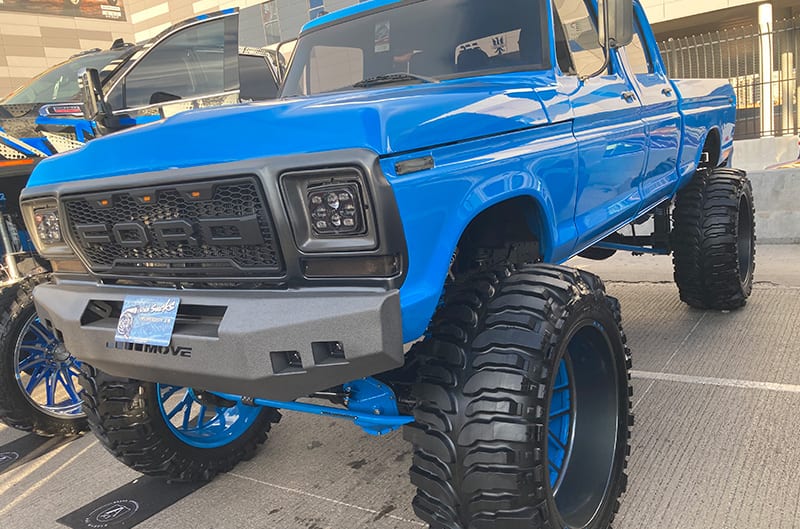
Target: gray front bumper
x,y
238,340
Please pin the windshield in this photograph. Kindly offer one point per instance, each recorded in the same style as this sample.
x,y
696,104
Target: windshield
x,y
60,83
437,39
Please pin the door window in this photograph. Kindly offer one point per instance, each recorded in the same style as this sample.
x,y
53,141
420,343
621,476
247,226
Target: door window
x,y
582,38
255,79
185,65
638,54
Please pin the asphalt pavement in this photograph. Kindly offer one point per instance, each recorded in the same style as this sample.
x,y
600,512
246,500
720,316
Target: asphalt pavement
x,y
715,444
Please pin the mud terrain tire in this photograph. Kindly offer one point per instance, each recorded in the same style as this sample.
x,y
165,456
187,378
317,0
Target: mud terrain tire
x,y
126,416
16,408
713,240
500,353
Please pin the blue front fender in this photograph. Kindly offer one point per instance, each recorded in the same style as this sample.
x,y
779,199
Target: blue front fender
x,y
437,205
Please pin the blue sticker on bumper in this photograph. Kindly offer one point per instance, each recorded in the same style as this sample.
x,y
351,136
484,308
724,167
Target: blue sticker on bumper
x,y
147,320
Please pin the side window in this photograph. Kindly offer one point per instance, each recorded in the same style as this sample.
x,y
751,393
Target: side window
x,y
255,79
187,64
114,97
638,54
581,35
563,55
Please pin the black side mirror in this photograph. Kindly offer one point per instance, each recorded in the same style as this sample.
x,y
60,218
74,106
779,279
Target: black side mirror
x,y
95,107
91,93
615,17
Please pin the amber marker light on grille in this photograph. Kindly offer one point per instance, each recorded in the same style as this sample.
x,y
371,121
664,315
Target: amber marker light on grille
x,y
195,194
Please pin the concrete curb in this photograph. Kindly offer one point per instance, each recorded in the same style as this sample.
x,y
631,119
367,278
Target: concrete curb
x,y
777,200
755,155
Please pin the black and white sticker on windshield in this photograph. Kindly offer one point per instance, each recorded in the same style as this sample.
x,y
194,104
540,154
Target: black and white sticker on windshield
x,y
383,32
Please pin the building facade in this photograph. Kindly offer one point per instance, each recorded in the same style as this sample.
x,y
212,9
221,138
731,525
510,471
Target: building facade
x,y
33,37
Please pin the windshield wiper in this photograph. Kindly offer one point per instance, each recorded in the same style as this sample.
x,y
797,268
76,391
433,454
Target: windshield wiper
x,y
389,78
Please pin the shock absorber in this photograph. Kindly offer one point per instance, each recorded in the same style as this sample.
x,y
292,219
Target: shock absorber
x,y
8,249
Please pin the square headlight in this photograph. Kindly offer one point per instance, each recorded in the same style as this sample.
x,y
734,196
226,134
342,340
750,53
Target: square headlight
x,y
44,227
48,227
329,209
336,209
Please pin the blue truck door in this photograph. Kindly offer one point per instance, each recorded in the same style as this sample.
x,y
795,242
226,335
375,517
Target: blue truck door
x,y
659,112
608,124
193,66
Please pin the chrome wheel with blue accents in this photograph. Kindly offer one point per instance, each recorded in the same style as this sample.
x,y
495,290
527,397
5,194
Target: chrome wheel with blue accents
x,y
522,414
39,388
46,372
179,433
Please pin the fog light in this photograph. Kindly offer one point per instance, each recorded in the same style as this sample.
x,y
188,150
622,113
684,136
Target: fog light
x,y
336,209
48,228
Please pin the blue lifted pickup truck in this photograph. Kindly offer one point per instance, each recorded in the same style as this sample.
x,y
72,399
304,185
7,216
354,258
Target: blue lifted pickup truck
x,y
387,236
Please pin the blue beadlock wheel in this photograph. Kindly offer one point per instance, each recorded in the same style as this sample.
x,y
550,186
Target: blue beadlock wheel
x,y
46,372
560,425
199,424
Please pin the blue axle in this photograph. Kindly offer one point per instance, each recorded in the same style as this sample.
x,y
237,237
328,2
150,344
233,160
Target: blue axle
x,y
371,405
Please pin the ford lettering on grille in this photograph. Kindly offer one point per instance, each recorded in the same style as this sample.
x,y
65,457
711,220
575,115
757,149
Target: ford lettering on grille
x,y
209,229
243,231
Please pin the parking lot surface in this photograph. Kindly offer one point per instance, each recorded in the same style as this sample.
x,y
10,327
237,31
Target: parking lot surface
x,y
716,444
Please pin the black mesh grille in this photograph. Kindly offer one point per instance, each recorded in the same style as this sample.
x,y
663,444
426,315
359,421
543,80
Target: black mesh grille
x,y
208,229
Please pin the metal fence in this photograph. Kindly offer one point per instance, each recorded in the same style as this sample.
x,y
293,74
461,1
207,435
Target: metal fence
x,y
735,54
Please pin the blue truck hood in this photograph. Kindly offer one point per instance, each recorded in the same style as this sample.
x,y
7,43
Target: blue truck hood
x,y
387,121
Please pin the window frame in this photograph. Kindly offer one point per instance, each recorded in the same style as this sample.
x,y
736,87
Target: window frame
x,y
230,58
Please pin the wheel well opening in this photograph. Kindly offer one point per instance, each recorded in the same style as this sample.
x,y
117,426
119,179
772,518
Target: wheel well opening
x,y
711,151
508,232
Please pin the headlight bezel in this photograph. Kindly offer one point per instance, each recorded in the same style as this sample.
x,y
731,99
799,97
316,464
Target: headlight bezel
x,y
31,208
297,188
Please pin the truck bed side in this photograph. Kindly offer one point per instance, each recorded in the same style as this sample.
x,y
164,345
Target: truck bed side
x,y
708,108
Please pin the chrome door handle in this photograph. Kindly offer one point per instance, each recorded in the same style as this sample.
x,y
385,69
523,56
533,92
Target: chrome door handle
x,y
666,91
629,96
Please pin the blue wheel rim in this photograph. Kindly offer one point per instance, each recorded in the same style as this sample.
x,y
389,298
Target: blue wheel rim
x,y
202,425
46,373
560,425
